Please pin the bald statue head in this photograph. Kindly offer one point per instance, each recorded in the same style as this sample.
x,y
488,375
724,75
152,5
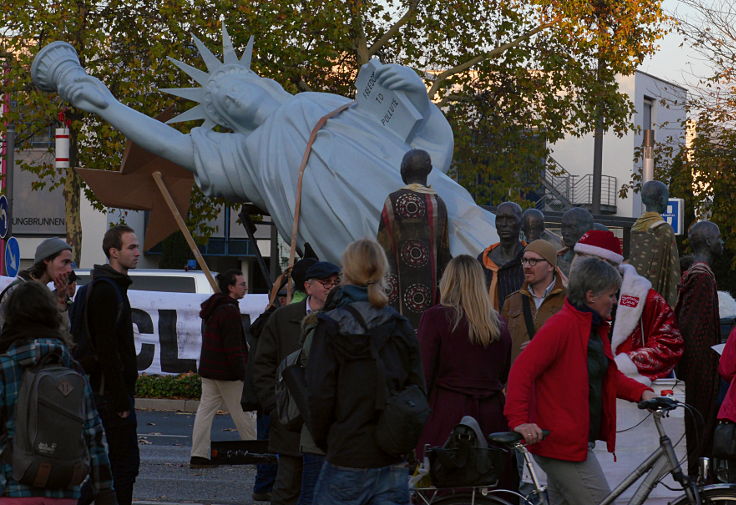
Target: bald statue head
x,y
575,222
508,222
532,224
415,167
654,196
705,240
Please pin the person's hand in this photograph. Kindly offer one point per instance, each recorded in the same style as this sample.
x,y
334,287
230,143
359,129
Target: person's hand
x,y
647,395
530,431
124,414
87,93
60,283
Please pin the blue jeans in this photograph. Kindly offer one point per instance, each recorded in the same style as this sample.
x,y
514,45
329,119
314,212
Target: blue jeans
x,y
310,474
265,473
339,485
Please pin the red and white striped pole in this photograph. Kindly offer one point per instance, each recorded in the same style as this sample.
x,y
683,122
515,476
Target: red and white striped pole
x,y
62,147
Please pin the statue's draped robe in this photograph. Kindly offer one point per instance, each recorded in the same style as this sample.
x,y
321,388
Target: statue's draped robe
x,y
699,320
353,165
654,255
413,232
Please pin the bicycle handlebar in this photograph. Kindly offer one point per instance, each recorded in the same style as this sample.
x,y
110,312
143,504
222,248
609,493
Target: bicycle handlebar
x,y
663,403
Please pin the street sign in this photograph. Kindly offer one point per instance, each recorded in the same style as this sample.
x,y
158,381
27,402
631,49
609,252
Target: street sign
x,y
12,257
674,214
4,216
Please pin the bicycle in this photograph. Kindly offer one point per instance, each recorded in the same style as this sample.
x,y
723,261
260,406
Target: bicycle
x,y
660,463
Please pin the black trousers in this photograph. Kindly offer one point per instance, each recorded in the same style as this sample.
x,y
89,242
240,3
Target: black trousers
x,y
122,445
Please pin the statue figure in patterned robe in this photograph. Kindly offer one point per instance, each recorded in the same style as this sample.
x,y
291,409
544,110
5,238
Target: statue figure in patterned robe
x,y
413,232
699,320
653,248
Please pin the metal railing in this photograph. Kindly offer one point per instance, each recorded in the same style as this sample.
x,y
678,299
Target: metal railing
x,y
564,190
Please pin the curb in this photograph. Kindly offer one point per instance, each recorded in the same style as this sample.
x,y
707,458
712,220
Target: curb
x,y
166,404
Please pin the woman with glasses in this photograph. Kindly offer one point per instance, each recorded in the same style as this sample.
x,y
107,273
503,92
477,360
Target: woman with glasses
x,y
466,352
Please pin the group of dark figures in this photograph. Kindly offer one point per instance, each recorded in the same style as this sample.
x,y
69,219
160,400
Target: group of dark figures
x,y
532,334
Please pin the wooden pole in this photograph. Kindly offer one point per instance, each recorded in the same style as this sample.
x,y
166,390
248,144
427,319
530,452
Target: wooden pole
x,y
184,230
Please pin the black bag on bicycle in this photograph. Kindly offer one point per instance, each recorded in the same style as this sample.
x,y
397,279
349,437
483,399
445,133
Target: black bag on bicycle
x,y
724,440
465,459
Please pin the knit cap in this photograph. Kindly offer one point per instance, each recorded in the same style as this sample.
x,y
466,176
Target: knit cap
x,y
49,247
544,249
603,244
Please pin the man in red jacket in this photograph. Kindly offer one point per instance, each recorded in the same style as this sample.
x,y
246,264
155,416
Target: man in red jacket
x,y
221,365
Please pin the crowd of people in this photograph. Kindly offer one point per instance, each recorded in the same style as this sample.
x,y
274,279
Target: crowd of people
x,y
546,350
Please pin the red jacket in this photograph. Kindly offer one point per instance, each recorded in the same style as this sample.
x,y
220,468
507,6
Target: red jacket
x,y
727,369
548,385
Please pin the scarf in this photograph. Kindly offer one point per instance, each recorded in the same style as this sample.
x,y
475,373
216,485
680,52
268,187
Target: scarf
x,y
646,221
420,188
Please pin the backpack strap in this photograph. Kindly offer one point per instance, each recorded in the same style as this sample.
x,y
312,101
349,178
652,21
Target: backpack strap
x,y
526,306
377,344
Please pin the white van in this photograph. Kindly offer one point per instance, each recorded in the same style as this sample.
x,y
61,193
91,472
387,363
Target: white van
x,y
173,281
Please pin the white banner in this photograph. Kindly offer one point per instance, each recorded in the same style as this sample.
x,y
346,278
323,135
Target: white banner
x,y
168,329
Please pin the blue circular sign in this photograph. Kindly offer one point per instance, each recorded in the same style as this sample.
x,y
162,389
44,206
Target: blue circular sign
x,y
12,257
4,216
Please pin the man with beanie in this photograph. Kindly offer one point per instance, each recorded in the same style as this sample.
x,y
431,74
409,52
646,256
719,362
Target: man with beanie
x,y
280,337
645,339
541,295
51,263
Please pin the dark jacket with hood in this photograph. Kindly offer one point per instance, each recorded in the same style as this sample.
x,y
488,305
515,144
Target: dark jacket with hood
x,y
342,377
111,331
224,353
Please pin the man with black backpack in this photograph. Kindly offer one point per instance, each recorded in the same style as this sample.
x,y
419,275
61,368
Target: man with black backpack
x,y
109,356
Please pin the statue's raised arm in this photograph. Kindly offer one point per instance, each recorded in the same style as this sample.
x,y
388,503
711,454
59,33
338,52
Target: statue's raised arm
x,y
57,68
352,163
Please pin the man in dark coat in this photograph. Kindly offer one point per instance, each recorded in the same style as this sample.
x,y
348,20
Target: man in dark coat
x,y
221,365
699,321
280,337
113,370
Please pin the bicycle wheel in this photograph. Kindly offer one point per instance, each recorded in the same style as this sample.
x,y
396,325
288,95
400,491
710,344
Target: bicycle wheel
x,y
469,499
717,494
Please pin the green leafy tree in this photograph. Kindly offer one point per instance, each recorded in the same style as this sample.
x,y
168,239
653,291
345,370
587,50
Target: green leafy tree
x,y
511,74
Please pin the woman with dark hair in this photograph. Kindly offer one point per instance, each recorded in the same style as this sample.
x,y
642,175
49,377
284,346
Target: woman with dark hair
x,y
342,382
31,334
466,353
566,381
52,263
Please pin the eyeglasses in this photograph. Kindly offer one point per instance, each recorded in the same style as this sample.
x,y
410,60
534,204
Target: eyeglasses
x,y
532,262
328,284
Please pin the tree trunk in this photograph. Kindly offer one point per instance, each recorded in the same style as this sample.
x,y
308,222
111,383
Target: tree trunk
x,y
72,191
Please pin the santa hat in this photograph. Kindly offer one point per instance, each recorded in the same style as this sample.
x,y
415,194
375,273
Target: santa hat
x,y
601,243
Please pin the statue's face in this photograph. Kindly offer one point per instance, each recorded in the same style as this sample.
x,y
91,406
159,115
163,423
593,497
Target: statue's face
x,y
245,103
532,228
572,228
508,224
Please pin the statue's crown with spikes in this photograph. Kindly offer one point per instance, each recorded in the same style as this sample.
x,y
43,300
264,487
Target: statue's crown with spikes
x,y
209,80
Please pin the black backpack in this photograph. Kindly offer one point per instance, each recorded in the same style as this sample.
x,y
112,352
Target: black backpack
x,y
403,409
49,448
84,350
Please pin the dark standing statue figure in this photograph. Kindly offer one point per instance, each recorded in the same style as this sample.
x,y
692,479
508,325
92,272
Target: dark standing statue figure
x,y
532,226
653,247
413,232
699,321
575,222
501,261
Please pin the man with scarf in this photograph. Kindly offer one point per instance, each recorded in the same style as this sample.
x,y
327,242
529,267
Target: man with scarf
x,y
653,247
413,233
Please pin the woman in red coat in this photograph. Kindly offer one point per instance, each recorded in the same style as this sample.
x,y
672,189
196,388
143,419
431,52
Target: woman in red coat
x,y
566,381
466,353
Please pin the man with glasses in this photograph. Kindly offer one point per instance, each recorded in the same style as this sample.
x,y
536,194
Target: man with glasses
x,y
280,337
541,295
221,365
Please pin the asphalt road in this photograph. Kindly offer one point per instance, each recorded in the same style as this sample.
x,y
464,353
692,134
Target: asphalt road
x,y
165,439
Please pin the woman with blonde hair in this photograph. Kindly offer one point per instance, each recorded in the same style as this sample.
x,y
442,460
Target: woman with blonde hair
x,y
344,383
466,353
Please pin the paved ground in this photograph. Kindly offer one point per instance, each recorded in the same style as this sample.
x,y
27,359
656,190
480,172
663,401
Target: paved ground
x,y
165,477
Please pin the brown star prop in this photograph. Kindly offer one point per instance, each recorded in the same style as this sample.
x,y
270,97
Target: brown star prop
x,y
134,187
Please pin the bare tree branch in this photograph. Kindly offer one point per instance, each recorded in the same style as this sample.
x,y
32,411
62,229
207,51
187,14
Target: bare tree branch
x,y
393,30
443,76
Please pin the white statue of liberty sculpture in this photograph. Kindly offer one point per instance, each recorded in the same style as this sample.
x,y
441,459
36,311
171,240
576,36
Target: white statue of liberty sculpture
x,y
354,161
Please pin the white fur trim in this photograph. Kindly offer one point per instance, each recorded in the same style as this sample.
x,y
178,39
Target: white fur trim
x,y
601,252
628,368
634,290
